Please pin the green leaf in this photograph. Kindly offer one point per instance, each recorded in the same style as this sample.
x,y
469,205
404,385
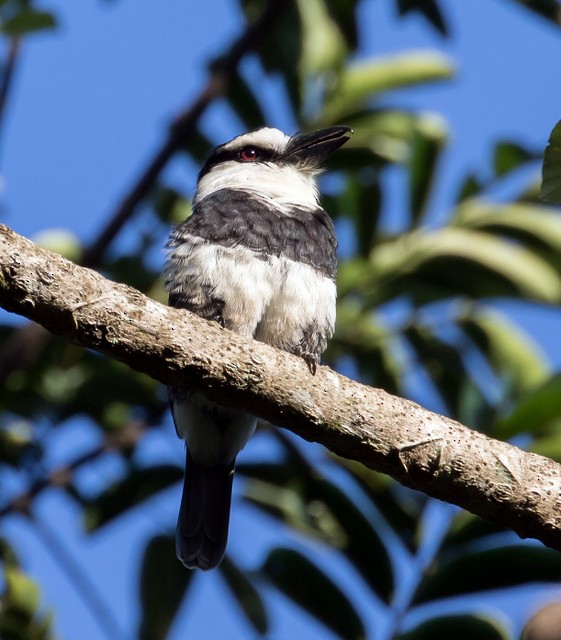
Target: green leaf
x,y
510,351
345,16
551,171
361,201
164,582
442,362
281,50
535,412
469,188
360,81
535,226
508,156
135,488
426,145
16,439
500,568
289,503
170,205
243,100
459,261
390,133
458,627
323,45
318,507
548,9
20,617
22,593
360,334
60,241
466,529
429,9
400,507
387,133
28,20
80,387
8,556
358,534
274,473
549,445
306,585
245,594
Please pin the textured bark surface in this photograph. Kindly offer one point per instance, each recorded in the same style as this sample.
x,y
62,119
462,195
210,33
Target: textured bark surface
x,y
421,449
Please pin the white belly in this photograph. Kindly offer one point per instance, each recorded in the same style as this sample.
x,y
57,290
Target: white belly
x,y
273,299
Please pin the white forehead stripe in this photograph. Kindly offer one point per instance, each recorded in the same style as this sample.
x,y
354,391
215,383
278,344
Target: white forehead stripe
x,y
266,137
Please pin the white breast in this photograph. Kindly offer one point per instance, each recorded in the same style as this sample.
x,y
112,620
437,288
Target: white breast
x,y
272,299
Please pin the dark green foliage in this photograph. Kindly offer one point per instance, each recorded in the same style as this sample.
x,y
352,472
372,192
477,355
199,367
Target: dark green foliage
x,y
245,592
19,19
163,584
430,9
487,570
460,627
137,486
300,580
551,184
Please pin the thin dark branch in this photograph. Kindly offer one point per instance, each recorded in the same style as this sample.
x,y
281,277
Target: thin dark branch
x,y
182,128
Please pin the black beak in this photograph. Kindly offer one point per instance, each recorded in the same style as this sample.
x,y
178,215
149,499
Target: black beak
x,y
313,148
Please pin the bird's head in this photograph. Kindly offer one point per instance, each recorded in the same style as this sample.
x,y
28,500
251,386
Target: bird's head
x,y
271,164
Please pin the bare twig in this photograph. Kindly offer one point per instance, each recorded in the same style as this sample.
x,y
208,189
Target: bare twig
x,y
422,450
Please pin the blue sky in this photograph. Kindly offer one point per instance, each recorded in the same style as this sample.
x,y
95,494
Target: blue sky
x,y
91,103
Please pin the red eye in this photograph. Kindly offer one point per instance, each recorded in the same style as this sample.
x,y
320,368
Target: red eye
x,y
248,154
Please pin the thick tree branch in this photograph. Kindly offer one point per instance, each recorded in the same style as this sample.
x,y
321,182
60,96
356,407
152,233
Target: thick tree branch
x,y
422,450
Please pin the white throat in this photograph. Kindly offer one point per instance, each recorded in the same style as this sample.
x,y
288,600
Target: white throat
x,y
281,186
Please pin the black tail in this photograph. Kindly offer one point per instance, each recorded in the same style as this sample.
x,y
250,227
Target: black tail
x,y
202,527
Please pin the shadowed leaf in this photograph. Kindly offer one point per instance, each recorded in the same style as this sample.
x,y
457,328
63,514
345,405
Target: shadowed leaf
x,y
510,351
453,261
549,9
458,627
551,171
362,80
163,584
26,21
535,412
306,585
508,156
427,8
426,145
375,566
486,570
245,594
138,486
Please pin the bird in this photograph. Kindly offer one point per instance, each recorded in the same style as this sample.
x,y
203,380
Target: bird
x,y
257,255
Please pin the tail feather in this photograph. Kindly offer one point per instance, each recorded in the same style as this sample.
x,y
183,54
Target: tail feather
x,y
202,527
